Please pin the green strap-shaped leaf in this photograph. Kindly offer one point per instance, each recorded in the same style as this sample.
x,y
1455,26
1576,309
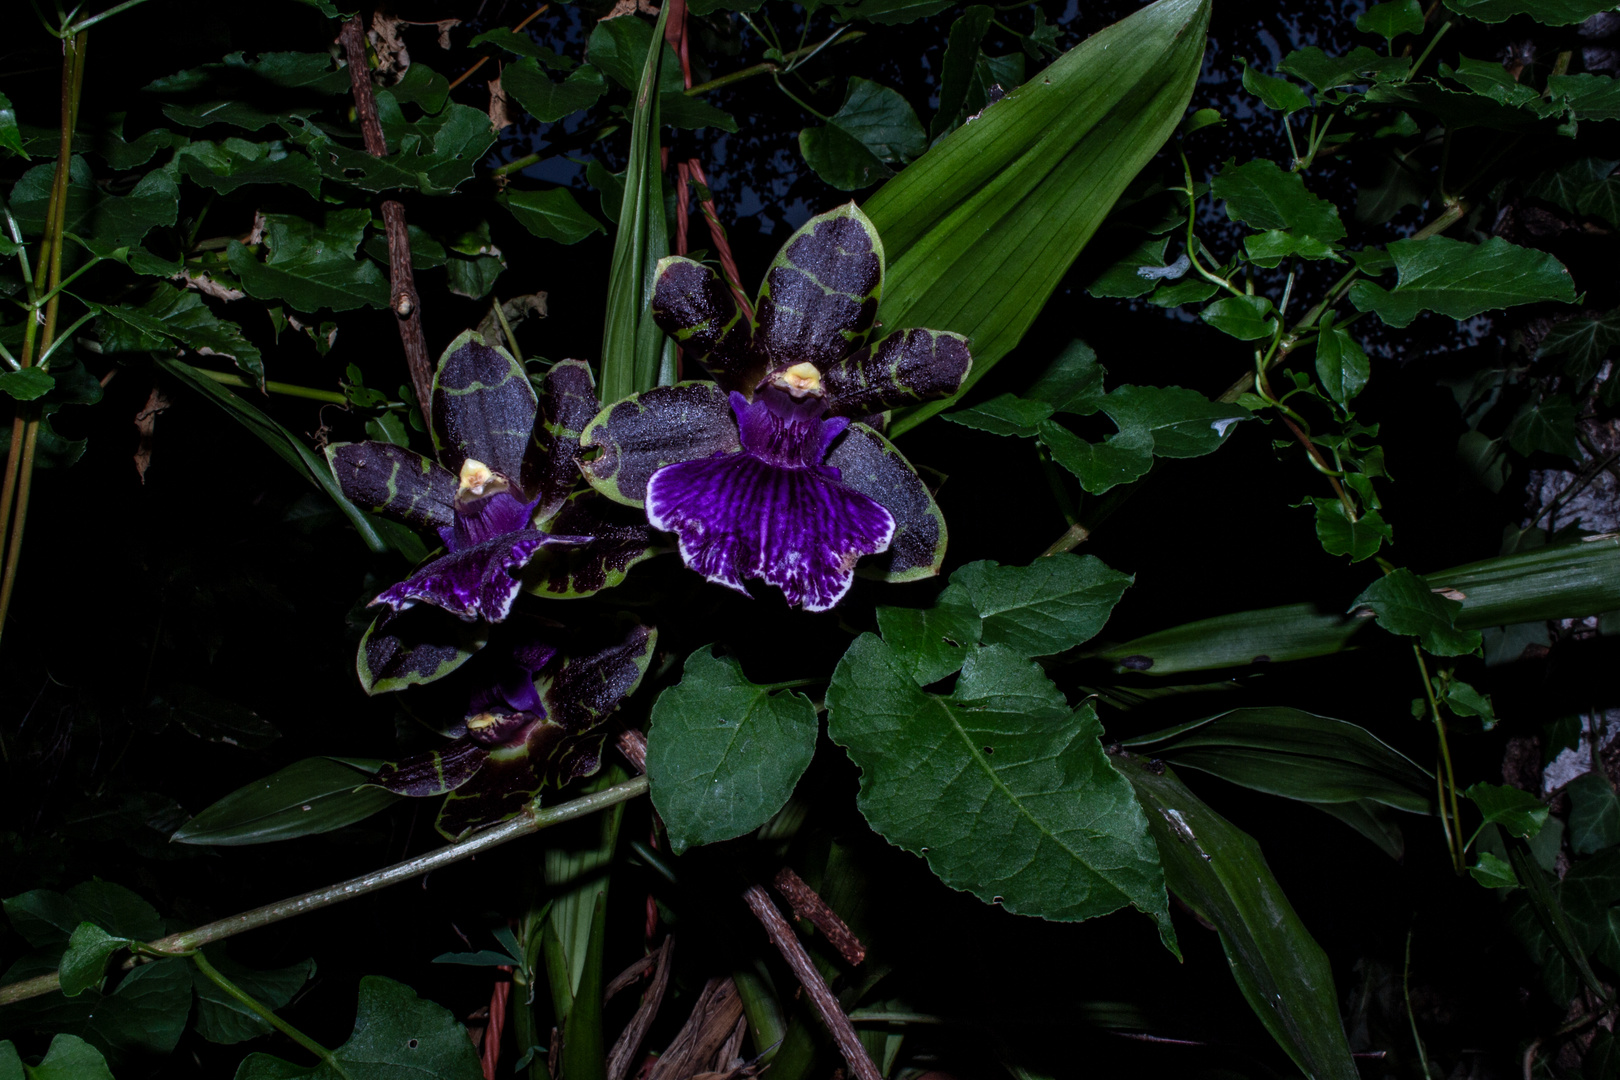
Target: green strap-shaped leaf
x,y
981,229
1266,636
1219,872
1562,581
315,795
1001,787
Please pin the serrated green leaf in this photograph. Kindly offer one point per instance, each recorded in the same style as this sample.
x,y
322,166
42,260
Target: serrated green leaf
x,y
1548,424
724,754
1519,812
1405,604
1360,539
1005,414
1015,195
226,166
1586,96
1219,872
1261,195
10,135
1326,72
434,155
1275,93
1182,423
27,384
1054,604
548,101
1584,186
1123,280
1125,456
1547,12
315,795
1390,20
312,267
178,315
1271,248
1002,755
1462,280
93,216
550,215
932,642
1073,382
85,961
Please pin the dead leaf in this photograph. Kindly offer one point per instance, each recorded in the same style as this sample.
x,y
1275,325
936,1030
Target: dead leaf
x,y
499,118
207,286
388,42
145,424
629,7
516,310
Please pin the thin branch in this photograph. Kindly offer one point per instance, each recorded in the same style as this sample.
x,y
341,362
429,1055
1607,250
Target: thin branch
x,y
832,1014
402,297
806,904
532,820
263,1012
623,1054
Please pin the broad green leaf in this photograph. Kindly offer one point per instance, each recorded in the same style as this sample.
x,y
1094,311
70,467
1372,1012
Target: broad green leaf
x,y
1464,700
474,277
10,136
1013,197
1586,96
1583,343
1271,248
69,1058
379,535
1007,414
99,219
1360,539
1123,278
27,384
1246,318
1594,813
956,70
178,315
1270,635
1584,186
1297,755
146,1014
875,127
315,795
226,166
1073,382
1519,812
221,1018
1493,872
434,155
1341,365
312,267
548,101
1219,872
550,215
1052,605
1462,280
932,642
1182,423
723,753
1405,604
1263,196
619,48
1278,94
841,159
1548,424
1390,20
636,355
1123,457
1490,79
85,961
1003,756
1547,12
1563,581
1325,72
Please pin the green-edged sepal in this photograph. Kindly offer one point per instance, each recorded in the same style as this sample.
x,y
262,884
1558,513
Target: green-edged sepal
x,y
394,482
567,406
904,369
619,540
484,408
692,305
644,432
870,464
820,295
419,645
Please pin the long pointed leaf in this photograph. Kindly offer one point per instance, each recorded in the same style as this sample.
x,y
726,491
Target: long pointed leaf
x,y
1568,581
981,229
635,354
1219,872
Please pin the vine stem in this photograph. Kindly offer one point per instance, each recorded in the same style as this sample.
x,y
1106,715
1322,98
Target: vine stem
x,y
532,820
259,1009
1447,781
18,484
331,397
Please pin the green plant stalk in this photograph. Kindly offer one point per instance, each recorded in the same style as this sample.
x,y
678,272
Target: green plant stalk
x,y
263,1012
532,820
331,397
1411,1018
1445,778
770,67
20,458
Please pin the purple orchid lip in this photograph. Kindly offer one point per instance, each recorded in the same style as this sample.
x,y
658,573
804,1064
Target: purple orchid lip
x,y
772,510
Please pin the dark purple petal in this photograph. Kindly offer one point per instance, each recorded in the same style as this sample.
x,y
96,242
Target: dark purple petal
x,y
821,294
692,305
738,517
644,432
905,368
513,776
587,690
484,519
567,406
509,689
619,540
434,772
870,464
483,408
410,648
476,582
783,430
392,481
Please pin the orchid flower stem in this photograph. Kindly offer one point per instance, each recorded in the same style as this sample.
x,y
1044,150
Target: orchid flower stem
x,y
1447,780
331,397
796,100
1429,48
19,477
81,27
796,58
1411,1017
1192,238
263,1012
532,820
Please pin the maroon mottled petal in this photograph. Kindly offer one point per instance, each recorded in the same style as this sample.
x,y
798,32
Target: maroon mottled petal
x,y
483,408
434,772
905,368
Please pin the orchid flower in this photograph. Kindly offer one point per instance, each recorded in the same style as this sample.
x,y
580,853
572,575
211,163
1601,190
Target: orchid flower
x,y
522,733
768,472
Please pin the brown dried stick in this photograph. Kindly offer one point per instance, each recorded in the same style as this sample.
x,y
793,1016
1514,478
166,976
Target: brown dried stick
x,y
806,904
832,1014
623,1054
402,296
